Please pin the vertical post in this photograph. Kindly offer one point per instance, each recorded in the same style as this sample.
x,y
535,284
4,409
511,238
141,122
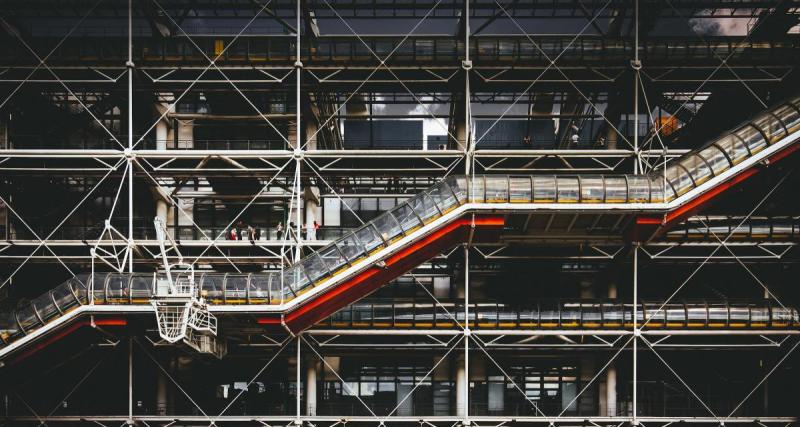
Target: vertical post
x,y
298,65
130,381
636,65
635,312
467,66
466,335
129,150
297,385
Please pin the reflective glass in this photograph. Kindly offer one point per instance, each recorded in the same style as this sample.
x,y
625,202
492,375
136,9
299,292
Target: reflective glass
x,y
716,159
790,117
211,286
350,247
387,226
332,258
369,238
616,189
567,187
314,267
638,189
771,127
496,189
544,189
424,207
444,197
141,286
460,186
477,189
117,287
236,288
592,189
679,178
27,318
753,138
406,217
45,306
697,167
259,288
520,190
734,148
64,297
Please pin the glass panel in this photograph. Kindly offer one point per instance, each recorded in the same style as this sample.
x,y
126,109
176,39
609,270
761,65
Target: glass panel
x,y
443,197
638,189
657,186
79,286
117,288
368,237
406,217
314,267
350,247
142,286
496,189
616,189
679,178
8,326
734,148
99,287
45,306
592,189
236,289
260,287
568,189
478,192
697,168
27,318
790,117
332,258
544,189
520,189
716,159
771,127
753,138
697,315
387,226
424,207
296,277
459,185
211,286
64,297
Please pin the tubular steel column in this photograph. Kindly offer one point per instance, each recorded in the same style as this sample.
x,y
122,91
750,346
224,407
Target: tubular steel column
x,y
466,65
129,150
130,381
466,335
637,66
298,421
298,149
636,332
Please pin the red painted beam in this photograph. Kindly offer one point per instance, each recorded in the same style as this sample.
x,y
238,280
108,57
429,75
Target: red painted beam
x,y
369,280
101,321
647,227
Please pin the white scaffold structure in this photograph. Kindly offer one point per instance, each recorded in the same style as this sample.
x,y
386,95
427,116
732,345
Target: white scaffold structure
x,y
181,312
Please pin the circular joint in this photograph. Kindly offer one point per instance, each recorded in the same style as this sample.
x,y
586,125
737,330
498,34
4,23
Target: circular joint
x,y
298,154
636,64
467,332
637,332
128,154
129,64
466,65
298,64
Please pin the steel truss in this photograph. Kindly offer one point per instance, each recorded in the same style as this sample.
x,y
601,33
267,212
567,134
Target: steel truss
x,y
295,165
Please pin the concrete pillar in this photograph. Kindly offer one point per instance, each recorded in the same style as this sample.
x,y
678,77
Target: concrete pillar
x,y
611,139
612,290
311,387
185,133
461,382
313,211
161,393
610,391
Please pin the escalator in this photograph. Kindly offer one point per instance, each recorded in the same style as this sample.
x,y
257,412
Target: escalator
x,y
457,210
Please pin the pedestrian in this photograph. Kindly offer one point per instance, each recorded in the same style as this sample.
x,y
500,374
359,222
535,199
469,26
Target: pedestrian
x,y
233,235
279,230
316,229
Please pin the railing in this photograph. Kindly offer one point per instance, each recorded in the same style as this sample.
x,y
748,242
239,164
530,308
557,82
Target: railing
x,y
487,49
555,314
